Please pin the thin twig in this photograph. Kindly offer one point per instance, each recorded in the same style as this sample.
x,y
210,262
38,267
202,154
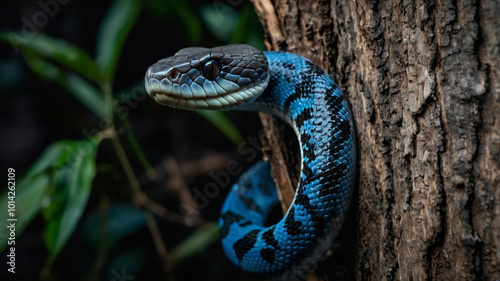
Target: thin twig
x,y
129,173
142,201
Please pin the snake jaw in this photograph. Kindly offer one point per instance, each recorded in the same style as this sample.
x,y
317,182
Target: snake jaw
x,y
181,80
173,95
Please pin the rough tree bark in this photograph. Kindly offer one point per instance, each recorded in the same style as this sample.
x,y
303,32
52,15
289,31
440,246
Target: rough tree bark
x,y
423,80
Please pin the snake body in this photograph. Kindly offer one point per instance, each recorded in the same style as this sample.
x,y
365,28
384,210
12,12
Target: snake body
x,y
303,95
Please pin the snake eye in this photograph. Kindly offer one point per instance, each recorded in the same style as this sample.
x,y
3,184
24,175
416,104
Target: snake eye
x,y
211,69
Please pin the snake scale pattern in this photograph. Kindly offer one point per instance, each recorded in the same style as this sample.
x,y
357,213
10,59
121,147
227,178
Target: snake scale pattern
x,y
289,86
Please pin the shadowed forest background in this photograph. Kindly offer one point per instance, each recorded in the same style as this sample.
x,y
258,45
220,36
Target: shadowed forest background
x,y
42,103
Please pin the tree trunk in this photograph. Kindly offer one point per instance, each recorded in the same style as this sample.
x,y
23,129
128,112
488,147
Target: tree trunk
x,y
423,81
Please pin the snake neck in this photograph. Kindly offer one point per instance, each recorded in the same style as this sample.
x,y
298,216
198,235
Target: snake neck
x,y
304,96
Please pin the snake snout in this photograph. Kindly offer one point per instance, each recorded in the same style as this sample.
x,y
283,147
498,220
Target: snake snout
x,y
171,74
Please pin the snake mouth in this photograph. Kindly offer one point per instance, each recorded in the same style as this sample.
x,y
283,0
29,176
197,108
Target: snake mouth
x,y
225,96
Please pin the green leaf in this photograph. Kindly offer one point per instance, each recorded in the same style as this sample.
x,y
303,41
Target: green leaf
x,y
34,189
134,94
84,92
120,220
57,50
248,29
117,23
189,18
223,123
220,19
196,243
87,94
71,180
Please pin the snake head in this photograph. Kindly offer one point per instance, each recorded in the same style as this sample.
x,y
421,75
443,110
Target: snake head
x,y
202,78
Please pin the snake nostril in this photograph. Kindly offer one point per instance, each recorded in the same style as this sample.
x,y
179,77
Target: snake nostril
x,y
173,75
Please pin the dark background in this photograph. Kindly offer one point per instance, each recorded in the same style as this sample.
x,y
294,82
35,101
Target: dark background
x,y
36,112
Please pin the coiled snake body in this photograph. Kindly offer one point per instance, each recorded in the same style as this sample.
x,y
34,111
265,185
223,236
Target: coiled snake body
x,y
299,92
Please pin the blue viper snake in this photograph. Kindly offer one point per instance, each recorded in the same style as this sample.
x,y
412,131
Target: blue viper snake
x,y
241,77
